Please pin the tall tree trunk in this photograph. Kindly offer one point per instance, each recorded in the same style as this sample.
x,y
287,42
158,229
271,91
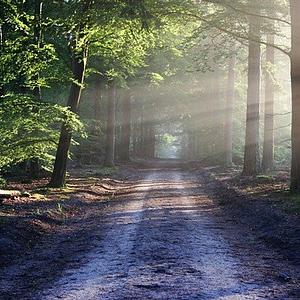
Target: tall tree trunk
x,y
230,99
79,61
151,140
34,163
295,78
251,154
110,126
126,127
143,148
38,10
268,146
135,138
60,165
141,137
97,103
1,49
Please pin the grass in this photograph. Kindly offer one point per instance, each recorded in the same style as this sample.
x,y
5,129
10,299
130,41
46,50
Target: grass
x,y
106,171
41,194
59,209
265,178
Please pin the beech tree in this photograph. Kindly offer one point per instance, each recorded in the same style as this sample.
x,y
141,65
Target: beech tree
x,y
252,155
110,125
295,78
125,126
230,101
79,53
268,145
86,33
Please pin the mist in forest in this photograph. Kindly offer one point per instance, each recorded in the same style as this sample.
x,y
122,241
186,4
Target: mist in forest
x,y
206,81
149,149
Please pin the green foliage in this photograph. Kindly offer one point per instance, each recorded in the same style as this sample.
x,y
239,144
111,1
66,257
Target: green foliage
x,y
30,129
2,182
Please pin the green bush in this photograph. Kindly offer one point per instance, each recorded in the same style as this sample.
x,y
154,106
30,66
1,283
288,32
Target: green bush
x,y
2,182
30,129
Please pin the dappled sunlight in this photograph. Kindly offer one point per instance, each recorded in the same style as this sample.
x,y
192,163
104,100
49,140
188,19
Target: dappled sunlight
x,y
149,149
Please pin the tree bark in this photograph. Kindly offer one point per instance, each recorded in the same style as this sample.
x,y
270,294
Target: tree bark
x,y
143,139
79,61
230,99
148,139
98,97
38,10
60,165
126,127
151,141
98,100
2,93
135,137
295,78
251,154
268,146
34,163
110,126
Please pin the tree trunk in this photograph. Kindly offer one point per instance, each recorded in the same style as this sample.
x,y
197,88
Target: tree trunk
x,y
135,139
268,147
97,103
141,137
110,125
230,99
295,78
38,10
151,141
143,148
60,165
126,127
251,154
2,93
35,164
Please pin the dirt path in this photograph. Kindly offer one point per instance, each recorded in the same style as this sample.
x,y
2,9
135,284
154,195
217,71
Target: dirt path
x,y
168,240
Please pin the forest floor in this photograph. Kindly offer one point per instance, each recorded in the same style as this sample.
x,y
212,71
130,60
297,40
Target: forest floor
x,y
159,232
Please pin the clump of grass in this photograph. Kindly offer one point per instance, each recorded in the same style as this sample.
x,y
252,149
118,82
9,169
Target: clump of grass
x,y
2,182
106,171
60,208
265,178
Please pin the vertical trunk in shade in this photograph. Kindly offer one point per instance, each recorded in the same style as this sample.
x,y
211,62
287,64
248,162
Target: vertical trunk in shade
x,y
97,102
79,61
268,146
126,126
295,78
110,127
230,99
60,165
251,154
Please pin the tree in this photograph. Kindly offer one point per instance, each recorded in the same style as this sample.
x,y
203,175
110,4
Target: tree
x,y
295,78
79,55
230,99
251,154
28,122
125,126
268,146
110,125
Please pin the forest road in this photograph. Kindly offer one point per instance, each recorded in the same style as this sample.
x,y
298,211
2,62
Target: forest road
x,y
171,240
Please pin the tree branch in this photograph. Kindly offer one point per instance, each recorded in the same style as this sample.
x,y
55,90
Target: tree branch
x,y
248,13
